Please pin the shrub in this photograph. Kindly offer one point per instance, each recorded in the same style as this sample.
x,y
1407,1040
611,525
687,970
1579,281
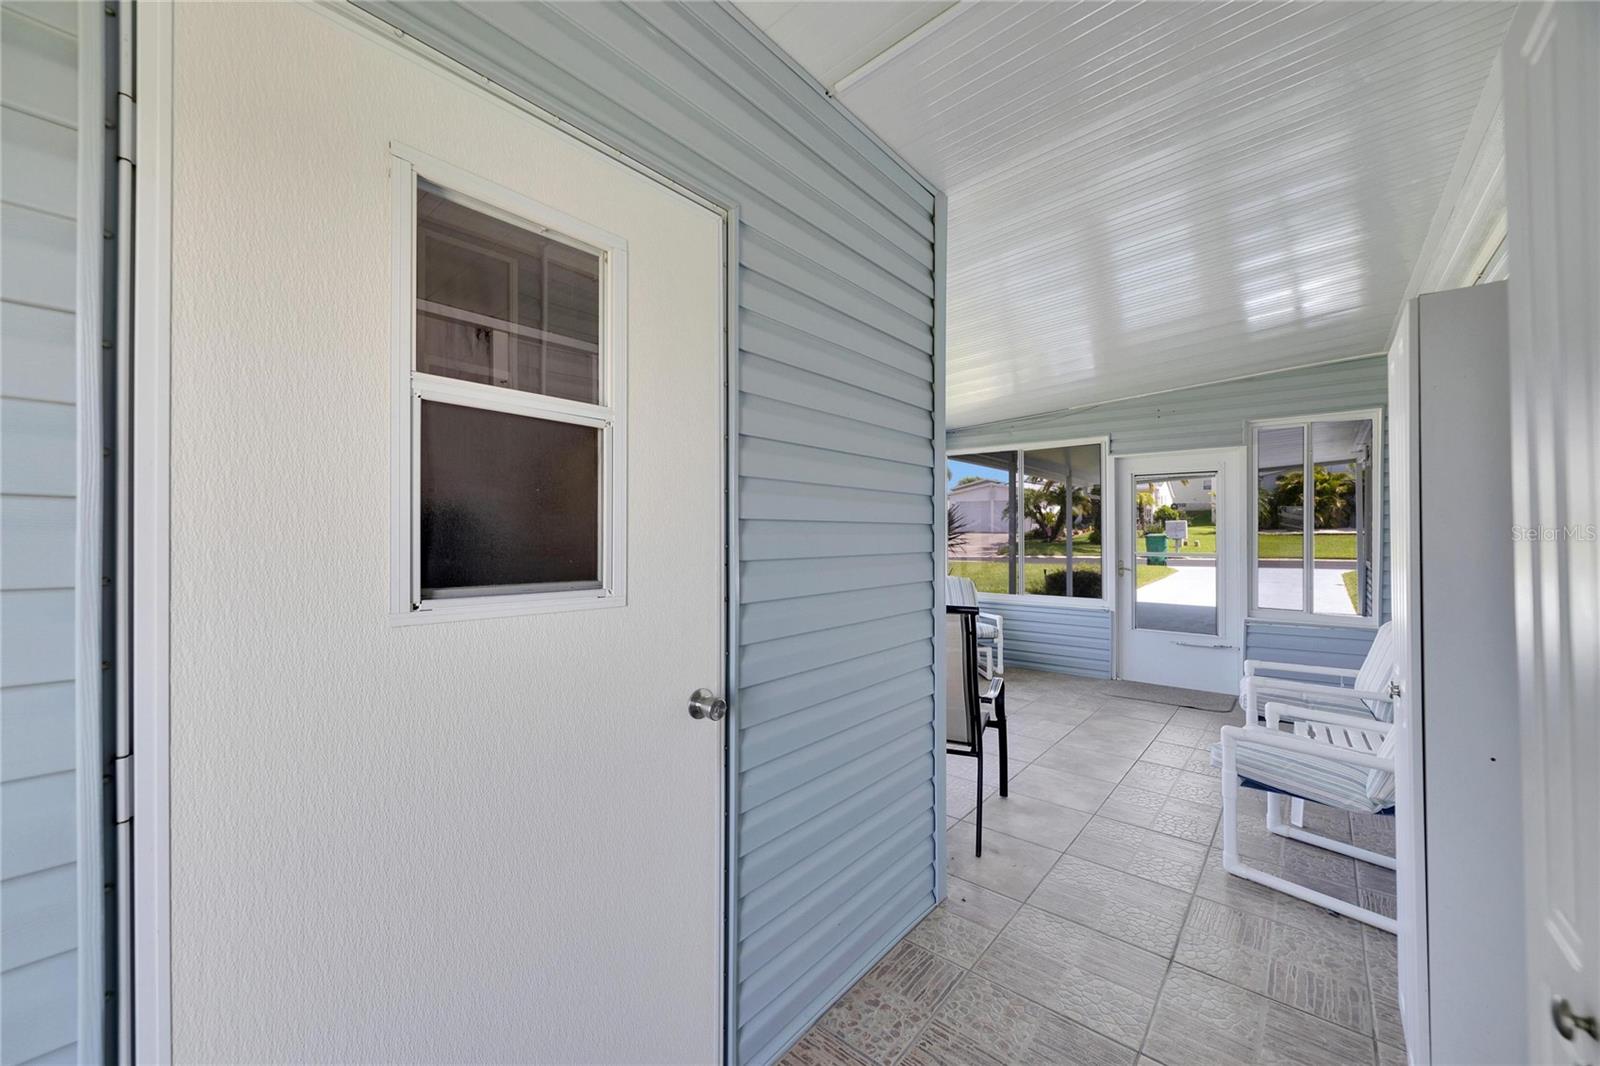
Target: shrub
x,y
1167,513
1085,582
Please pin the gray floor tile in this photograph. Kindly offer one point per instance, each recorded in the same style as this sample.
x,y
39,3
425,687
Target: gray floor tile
x,y
1217,884
1159,713
981,1024
1063,789
1008,866
1094,763
1141,852
1110,741
1202,1019
1034,820
1194,822
1136,806
1110,722
961,795
1152,776
1190,736
882,1014
1089,977
1374,832
1183,697
1197,788
1115,903
978,904
1227,943
1023,724
1173,755
1023,749
1319,971
1208,720
1199,762
821,1048
951,936
1384,980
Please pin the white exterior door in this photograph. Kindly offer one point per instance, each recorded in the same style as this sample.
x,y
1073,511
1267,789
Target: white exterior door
x,y
495,835
1180,587
1552,78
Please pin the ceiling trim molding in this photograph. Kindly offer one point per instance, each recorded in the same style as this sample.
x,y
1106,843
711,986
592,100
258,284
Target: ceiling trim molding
x,y
793,64
900,47
1078,408
1467,215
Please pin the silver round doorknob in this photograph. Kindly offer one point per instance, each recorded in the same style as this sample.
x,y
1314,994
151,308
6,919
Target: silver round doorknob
x,y
703,704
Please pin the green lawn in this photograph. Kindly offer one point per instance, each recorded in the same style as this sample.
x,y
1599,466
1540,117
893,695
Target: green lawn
x,y
991,577
1350,587
1289,545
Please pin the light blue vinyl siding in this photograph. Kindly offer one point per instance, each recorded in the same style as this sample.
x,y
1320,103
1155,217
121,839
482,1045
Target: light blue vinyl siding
x,y
1046,636
1052,637
834,707
39,780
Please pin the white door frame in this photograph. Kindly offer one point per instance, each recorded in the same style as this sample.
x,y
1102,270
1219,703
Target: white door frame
x,y
148,909
1231,556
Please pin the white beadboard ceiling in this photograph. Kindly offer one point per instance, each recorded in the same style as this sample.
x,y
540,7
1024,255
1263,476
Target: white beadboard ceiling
x,y
1145,196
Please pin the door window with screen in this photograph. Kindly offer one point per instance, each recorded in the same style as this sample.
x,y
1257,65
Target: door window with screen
x,y
1174,520
1027,521
1315,549
512,383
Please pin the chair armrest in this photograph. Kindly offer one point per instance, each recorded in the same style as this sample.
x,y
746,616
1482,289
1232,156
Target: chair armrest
x,y
993,689
1251,666
1271,686
1275,712
1232,734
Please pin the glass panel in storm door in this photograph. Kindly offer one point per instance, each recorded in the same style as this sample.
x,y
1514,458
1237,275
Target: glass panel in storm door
x,y
1175,551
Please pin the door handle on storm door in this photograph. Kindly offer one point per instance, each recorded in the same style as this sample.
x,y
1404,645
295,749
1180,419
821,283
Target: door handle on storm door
x,y
705,705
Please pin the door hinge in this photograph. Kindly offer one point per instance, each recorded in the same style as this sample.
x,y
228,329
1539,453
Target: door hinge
x,y
122,772
126,116
1394,690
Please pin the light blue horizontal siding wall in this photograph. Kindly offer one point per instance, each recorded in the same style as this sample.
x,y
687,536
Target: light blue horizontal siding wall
x,y
39,781
833,715
1044,636
1339,646
1207,416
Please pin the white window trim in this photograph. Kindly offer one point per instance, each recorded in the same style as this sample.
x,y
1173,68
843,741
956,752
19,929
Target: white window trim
x,y
410,387
1374,519
1108,519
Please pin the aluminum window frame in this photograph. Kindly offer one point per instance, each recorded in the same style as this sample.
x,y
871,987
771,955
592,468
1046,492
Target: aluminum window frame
x,y
411,387
1108,521
1308,615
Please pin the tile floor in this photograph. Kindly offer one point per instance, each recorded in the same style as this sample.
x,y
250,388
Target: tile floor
x,y
1099,926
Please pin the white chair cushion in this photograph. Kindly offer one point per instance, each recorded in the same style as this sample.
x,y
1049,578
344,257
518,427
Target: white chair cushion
x,y
1376,669
1307,776
960,591
1380,783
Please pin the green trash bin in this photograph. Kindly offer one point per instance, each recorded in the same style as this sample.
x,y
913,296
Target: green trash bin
x,y
1156,542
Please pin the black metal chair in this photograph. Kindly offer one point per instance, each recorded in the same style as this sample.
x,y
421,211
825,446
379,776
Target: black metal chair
x,y
972,703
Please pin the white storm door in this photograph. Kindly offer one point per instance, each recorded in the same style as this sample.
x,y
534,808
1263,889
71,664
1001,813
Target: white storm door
x,y
494,835
1180,616
1552,80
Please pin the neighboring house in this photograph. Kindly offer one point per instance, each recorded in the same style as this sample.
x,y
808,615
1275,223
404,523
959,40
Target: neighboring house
x,y
982,506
